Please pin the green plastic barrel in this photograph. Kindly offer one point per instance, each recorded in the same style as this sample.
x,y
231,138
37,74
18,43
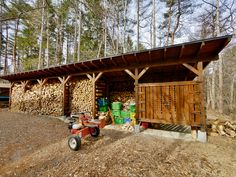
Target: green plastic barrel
x,y
132,108
103,108
116,105
119,120
116,113
125,114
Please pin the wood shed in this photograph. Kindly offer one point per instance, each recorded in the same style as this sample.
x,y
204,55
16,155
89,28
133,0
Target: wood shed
x,y
166,82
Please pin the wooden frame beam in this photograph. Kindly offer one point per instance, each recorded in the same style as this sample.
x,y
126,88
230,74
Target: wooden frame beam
x,y
24,84
85,65
181,51
194,70
63,81
199,50
94,78
92,63
113,62
164,55
201,82
143,72
124,60
136,76
130,73
10,93
149,56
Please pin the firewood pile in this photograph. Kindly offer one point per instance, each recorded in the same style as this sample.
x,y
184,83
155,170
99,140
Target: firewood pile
x,y
17,98
122,96
30,101
81,95
51,102
222,127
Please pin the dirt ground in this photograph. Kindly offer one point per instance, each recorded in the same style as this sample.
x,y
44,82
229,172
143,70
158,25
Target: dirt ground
x,y
37,146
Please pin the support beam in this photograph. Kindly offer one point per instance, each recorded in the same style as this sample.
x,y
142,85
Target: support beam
x,y
24,84
63,81
143,72
98,76
201,82
165,51
130,73
181,52
199,50
94,78
194,70
136,76
90,77
10,93
41,82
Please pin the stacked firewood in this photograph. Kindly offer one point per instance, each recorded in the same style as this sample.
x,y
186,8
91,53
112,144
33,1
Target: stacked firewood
x,y
47,101
222,127
51,101
122,96
31,100
81,95
17,98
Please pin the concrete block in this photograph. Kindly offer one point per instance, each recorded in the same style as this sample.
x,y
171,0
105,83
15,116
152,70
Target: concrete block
x,y
202,136
168,134
137,128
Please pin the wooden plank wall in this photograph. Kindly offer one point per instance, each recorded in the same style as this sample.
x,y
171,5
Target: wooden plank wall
x,y
170,103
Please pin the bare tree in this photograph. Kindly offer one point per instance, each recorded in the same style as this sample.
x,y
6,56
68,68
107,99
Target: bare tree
x,y
41,38
6,52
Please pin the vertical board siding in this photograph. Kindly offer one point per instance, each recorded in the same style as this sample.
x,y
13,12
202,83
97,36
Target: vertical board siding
x,y
171,103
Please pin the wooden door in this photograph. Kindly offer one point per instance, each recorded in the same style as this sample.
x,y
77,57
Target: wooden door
x,y
170,103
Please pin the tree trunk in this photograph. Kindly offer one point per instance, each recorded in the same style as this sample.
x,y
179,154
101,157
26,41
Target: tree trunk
x,y
47,31
208,91
138,1
75,40
79,32
124,30
232,94
15,44
56,51
221,108
1,37
41,39
169,25
213,89
118,34
6,52
176,24
105,37
154,23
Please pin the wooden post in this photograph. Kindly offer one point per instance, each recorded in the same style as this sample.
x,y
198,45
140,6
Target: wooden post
x,y
199,73
24,84
10,93
201,84
94,79
136,94
41,83
136,76
63,81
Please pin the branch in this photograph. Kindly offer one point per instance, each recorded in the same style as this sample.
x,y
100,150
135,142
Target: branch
x,y
213,5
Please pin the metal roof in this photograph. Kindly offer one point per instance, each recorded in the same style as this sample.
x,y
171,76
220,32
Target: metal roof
x,y
205,50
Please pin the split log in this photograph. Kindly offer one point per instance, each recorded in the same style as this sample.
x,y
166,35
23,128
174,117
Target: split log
x,y
81,95
122,96
222,127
